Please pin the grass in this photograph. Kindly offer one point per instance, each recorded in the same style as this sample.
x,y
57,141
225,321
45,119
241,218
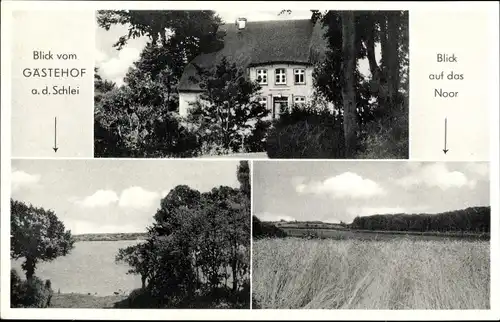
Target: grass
x,y
294,273
83,301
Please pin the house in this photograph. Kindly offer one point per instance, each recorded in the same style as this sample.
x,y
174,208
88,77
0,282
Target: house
x,y
279,54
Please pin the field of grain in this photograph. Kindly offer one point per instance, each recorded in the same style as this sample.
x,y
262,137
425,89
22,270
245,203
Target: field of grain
x,y
293,273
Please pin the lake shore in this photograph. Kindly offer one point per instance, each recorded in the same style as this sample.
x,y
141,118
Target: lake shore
x,y
85,301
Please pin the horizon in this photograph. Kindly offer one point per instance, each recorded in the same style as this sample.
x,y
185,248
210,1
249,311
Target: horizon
x,y
378,214
343,190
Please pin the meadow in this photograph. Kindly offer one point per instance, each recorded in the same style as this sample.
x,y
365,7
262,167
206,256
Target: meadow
x,y
397,273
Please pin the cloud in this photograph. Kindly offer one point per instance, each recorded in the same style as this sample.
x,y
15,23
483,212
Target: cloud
x,y
367,211
115,68
132,197
268,216
137,197
345,185
436,175
100,56
21,179
100,198
478,168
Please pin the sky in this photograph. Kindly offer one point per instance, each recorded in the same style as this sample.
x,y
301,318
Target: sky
x,y
110,196
114,64
339,191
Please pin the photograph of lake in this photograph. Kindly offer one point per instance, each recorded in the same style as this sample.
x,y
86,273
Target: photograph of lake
x,y
130,234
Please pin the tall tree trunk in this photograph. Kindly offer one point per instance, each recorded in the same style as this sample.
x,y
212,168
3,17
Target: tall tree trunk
x,y
348,88
393,22
29,267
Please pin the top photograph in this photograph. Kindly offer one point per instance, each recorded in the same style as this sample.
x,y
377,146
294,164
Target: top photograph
x,y
289,84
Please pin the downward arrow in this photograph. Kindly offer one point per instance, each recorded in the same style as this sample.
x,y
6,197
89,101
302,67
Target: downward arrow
x,y
55,148
445,132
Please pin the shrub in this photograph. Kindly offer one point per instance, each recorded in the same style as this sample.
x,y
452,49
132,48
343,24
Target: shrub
x,y
306,132
256,141
386,137
265,230
32,293
141,298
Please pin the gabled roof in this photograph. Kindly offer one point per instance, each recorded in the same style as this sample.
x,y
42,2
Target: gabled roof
x,y
262,42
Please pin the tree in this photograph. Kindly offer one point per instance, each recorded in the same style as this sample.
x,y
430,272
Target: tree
x,y
243,175
227,110
196,245
381,98
135,120
184,34
138,258
37,235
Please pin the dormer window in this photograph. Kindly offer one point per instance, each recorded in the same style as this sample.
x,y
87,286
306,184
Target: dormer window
x,y
280,75
300,76
262,76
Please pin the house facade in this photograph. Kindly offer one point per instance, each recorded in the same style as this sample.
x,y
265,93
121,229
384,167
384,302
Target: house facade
x,y
279,55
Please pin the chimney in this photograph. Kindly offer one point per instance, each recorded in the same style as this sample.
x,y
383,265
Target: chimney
x,y
241,23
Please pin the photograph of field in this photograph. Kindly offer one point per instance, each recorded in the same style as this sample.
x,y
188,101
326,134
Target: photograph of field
x,y
367,235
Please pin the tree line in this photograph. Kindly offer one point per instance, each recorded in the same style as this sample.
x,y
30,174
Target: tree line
x,y
472,219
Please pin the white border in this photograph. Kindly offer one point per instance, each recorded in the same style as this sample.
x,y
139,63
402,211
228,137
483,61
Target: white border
x,y
6,312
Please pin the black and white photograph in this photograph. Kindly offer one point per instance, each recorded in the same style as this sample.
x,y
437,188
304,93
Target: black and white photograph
x,y
251,84
371,235
130,234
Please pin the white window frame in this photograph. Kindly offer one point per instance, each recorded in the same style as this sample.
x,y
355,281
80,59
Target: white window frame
x,y
263,101
299,100
299,72
280,78
263,74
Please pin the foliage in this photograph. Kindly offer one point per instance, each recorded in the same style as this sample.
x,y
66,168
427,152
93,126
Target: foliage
x,y
386,137
31,293
306,132
187,33
265,230
243,175
227,111
473,219
136,120
36,235
380,97
197,248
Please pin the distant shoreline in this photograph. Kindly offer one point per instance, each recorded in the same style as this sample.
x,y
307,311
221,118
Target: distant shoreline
x,y
110,236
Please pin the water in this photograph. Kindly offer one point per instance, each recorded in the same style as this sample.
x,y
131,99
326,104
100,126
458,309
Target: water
x,y
89,268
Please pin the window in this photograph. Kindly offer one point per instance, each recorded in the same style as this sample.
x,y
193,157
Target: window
x,y
262,76
280,74
300,76
263,101
299,100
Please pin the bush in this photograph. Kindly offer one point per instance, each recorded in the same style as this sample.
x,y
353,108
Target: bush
x,y
306,132
386,137
265,230
256,141
141,298
32,293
